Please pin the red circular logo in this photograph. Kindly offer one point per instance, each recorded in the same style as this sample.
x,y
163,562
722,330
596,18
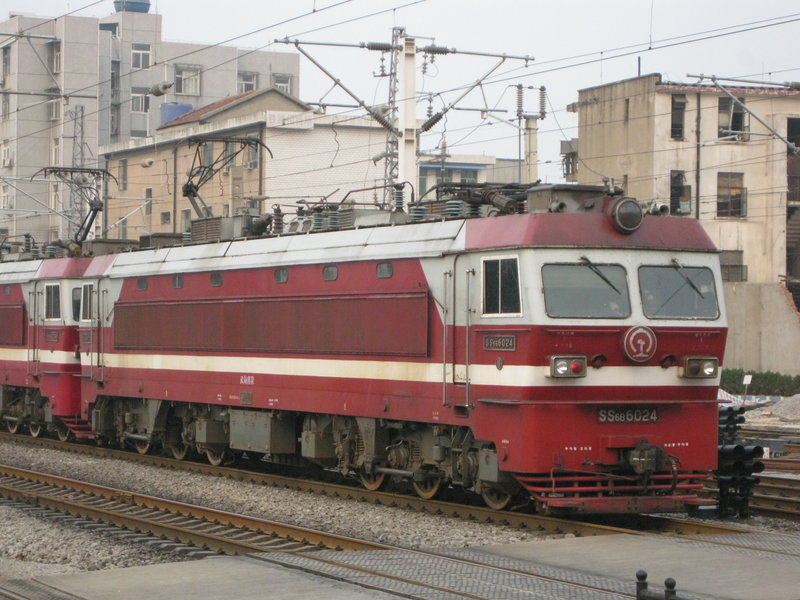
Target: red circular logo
x,y
639,344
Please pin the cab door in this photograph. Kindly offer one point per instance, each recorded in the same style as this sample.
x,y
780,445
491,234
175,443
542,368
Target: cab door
x,y
460,282
34,322
91,330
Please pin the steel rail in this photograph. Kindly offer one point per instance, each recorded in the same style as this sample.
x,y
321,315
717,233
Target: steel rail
x,y
207,528
634,524
202,527
187,523
783,464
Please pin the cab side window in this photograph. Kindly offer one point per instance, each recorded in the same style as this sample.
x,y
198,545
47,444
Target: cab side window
x,y
501,286
52,301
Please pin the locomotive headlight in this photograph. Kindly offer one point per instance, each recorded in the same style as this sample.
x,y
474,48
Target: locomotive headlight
x,y
627,215
567,366
700,367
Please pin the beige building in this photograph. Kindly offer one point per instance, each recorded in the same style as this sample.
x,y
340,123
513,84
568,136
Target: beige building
x,y
692,148
312,157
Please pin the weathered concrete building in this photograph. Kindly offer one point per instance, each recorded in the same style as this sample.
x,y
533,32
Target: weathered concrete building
x,y
311,156
71,84
695,150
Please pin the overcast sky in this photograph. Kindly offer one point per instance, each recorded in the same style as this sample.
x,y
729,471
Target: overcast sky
x,y
575,45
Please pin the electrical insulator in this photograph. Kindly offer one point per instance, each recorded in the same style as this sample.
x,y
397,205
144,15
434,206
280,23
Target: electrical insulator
x,y
520,100
542,102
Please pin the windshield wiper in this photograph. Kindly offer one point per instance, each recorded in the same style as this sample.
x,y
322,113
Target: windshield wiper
x,y
677,266
593,267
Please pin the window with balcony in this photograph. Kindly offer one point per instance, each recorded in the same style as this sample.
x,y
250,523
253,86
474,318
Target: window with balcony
x,y
731,195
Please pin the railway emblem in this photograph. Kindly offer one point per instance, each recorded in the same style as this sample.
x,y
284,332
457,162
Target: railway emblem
x,y
639,344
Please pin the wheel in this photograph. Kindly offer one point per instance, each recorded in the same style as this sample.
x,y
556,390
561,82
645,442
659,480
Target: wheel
x,y
63,433
215,457
35,429
495,498
179,450
373,482
13,426
429,488
142,447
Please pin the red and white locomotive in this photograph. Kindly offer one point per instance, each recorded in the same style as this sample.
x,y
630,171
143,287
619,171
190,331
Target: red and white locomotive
x,y
553,343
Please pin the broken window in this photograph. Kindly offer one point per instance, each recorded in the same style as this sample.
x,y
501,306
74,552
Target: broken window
x,y
732,265
731,195
733,123
680,194
678,116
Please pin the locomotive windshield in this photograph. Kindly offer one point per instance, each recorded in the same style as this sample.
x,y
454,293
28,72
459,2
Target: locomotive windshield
x,y
678,292
586,290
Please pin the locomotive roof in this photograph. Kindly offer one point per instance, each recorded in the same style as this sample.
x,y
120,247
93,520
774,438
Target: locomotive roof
x,y
419,240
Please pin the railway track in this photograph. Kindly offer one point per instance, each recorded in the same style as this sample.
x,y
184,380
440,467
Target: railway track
x,y
777,496
196,526
455,507
390,569
374,566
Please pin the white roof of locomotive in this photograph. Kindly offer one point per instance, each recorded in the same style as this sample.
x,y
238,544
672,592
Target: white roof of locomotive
x,y
372,243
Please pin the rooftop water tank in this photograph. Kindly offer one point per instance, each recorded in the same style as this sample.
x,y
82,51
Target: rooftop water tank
x,y
140,6
173,110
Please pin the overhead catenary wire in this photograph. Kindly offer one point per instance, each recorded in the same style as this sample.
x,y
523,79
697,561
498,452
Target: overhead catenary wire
x,y
504,136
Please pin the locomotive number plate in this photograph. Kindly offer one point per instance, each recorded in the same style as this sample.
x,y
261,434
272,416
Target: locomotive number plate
x,y
627,415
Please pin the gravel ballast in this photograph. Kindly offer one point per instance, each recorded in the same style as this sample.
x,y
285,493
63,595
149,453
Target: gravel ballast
x,y
32,546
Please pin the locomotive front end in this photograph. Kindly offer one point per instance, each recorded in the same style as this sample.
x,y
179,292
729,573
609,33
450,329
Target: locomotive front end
x,y
627,334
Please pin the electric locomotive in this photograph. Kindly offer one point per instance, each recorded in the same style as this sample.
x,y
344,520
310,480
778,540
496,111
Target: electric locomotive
x,y
554,344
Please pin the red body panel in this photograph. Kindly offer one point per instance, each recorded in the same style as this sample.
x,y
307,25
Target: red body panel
x,y
191,340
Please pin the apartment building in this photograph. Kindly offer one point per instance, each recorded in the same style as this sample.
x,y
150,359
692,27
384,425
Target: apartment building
x,y
691,147
260,149
71,84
